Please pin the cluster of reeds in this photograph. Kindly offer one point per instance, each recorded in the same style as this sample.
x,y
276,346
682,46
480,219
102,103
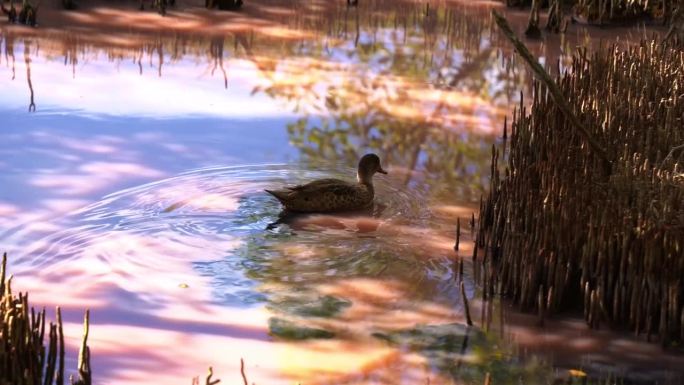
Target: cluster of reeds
x,y
587,208
599,12
26,15
25,359
554,19
607,11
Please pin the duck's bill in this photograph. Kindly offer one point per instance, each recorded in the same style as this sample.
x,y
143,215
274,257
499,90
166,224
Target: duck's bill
x,y
381,171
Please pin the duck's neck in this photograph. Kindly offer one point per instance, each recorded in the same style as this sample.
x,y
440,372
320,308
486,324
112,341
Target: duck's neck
x,y
365,179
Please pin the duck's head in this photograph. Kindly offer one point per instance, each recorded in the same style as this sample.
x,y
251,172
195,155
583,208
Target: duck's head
x,y
368,166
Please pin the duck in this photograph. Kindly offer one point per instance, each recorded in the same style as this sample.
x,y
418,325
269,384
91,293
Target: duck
x,y
330,195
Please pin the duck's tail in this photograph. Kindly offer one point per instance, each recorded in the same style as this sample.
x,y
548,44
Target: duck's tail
x,y
281,195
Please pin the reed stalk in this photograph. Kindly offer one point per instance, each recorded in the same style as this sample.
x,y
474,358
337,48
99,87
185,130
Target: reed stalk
x,y
560,228
25,357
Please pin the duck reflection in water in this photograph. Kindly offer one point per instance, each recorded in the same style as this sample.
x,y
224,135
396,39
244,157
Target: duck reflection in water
x,y
366,220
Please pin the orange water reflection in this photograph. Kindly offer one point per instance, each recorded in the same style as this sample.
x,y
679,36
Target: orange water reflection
x,y
185,272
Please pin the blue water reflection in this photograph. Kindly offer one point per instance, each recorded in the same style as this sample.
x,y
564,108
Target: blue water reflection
x,y
135,188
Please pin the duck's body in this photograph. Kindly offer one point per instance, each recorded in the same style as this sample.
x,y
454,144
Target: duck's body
x,y
325,195
328,195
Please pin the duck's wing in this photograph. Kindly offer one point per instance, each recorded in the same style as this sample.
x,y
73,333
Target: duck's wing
x,y
319,185
312,189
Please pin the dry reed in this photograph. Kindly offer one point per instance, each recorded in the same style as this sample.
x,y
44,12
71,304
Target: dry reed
x,y
562,231
25,359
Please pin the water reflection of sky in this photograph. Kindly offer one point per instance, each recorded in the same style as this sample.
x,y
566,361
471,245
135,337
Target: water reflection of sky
x,y
62,156
135,189
99,87
104,127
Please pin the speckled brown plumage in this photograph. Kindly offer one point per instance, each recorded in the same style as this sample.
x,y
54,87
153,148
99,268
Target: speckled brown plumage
x,y
327,195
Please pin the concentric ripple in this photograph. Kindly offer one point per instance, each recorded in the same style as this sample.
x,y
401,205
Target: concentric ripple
x,y
221,222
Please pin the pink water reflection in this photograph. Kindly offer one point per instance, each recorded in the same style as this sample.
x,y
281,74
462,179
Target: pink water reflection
x,y
120,110
145,318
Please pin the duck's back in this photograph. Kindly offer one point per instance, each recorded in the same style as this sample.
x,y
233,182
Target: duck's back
x,y
325,195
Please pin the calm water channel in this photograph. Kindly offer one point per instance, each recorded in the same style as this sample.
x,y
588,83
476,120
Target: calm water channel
x,y
132,169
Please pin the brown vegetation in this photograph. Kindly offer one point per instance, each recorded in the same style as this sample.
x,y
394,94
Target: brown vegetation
x,y
560,229
608,12
25,359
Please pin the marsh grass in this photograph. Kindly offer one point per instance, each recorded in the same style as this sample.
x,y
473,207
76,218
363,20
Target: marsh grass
x,y
27,355
562,231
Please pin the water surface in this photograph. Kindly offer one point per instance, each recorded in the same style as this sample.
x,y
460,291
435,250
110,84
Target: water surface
x,y
133,166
